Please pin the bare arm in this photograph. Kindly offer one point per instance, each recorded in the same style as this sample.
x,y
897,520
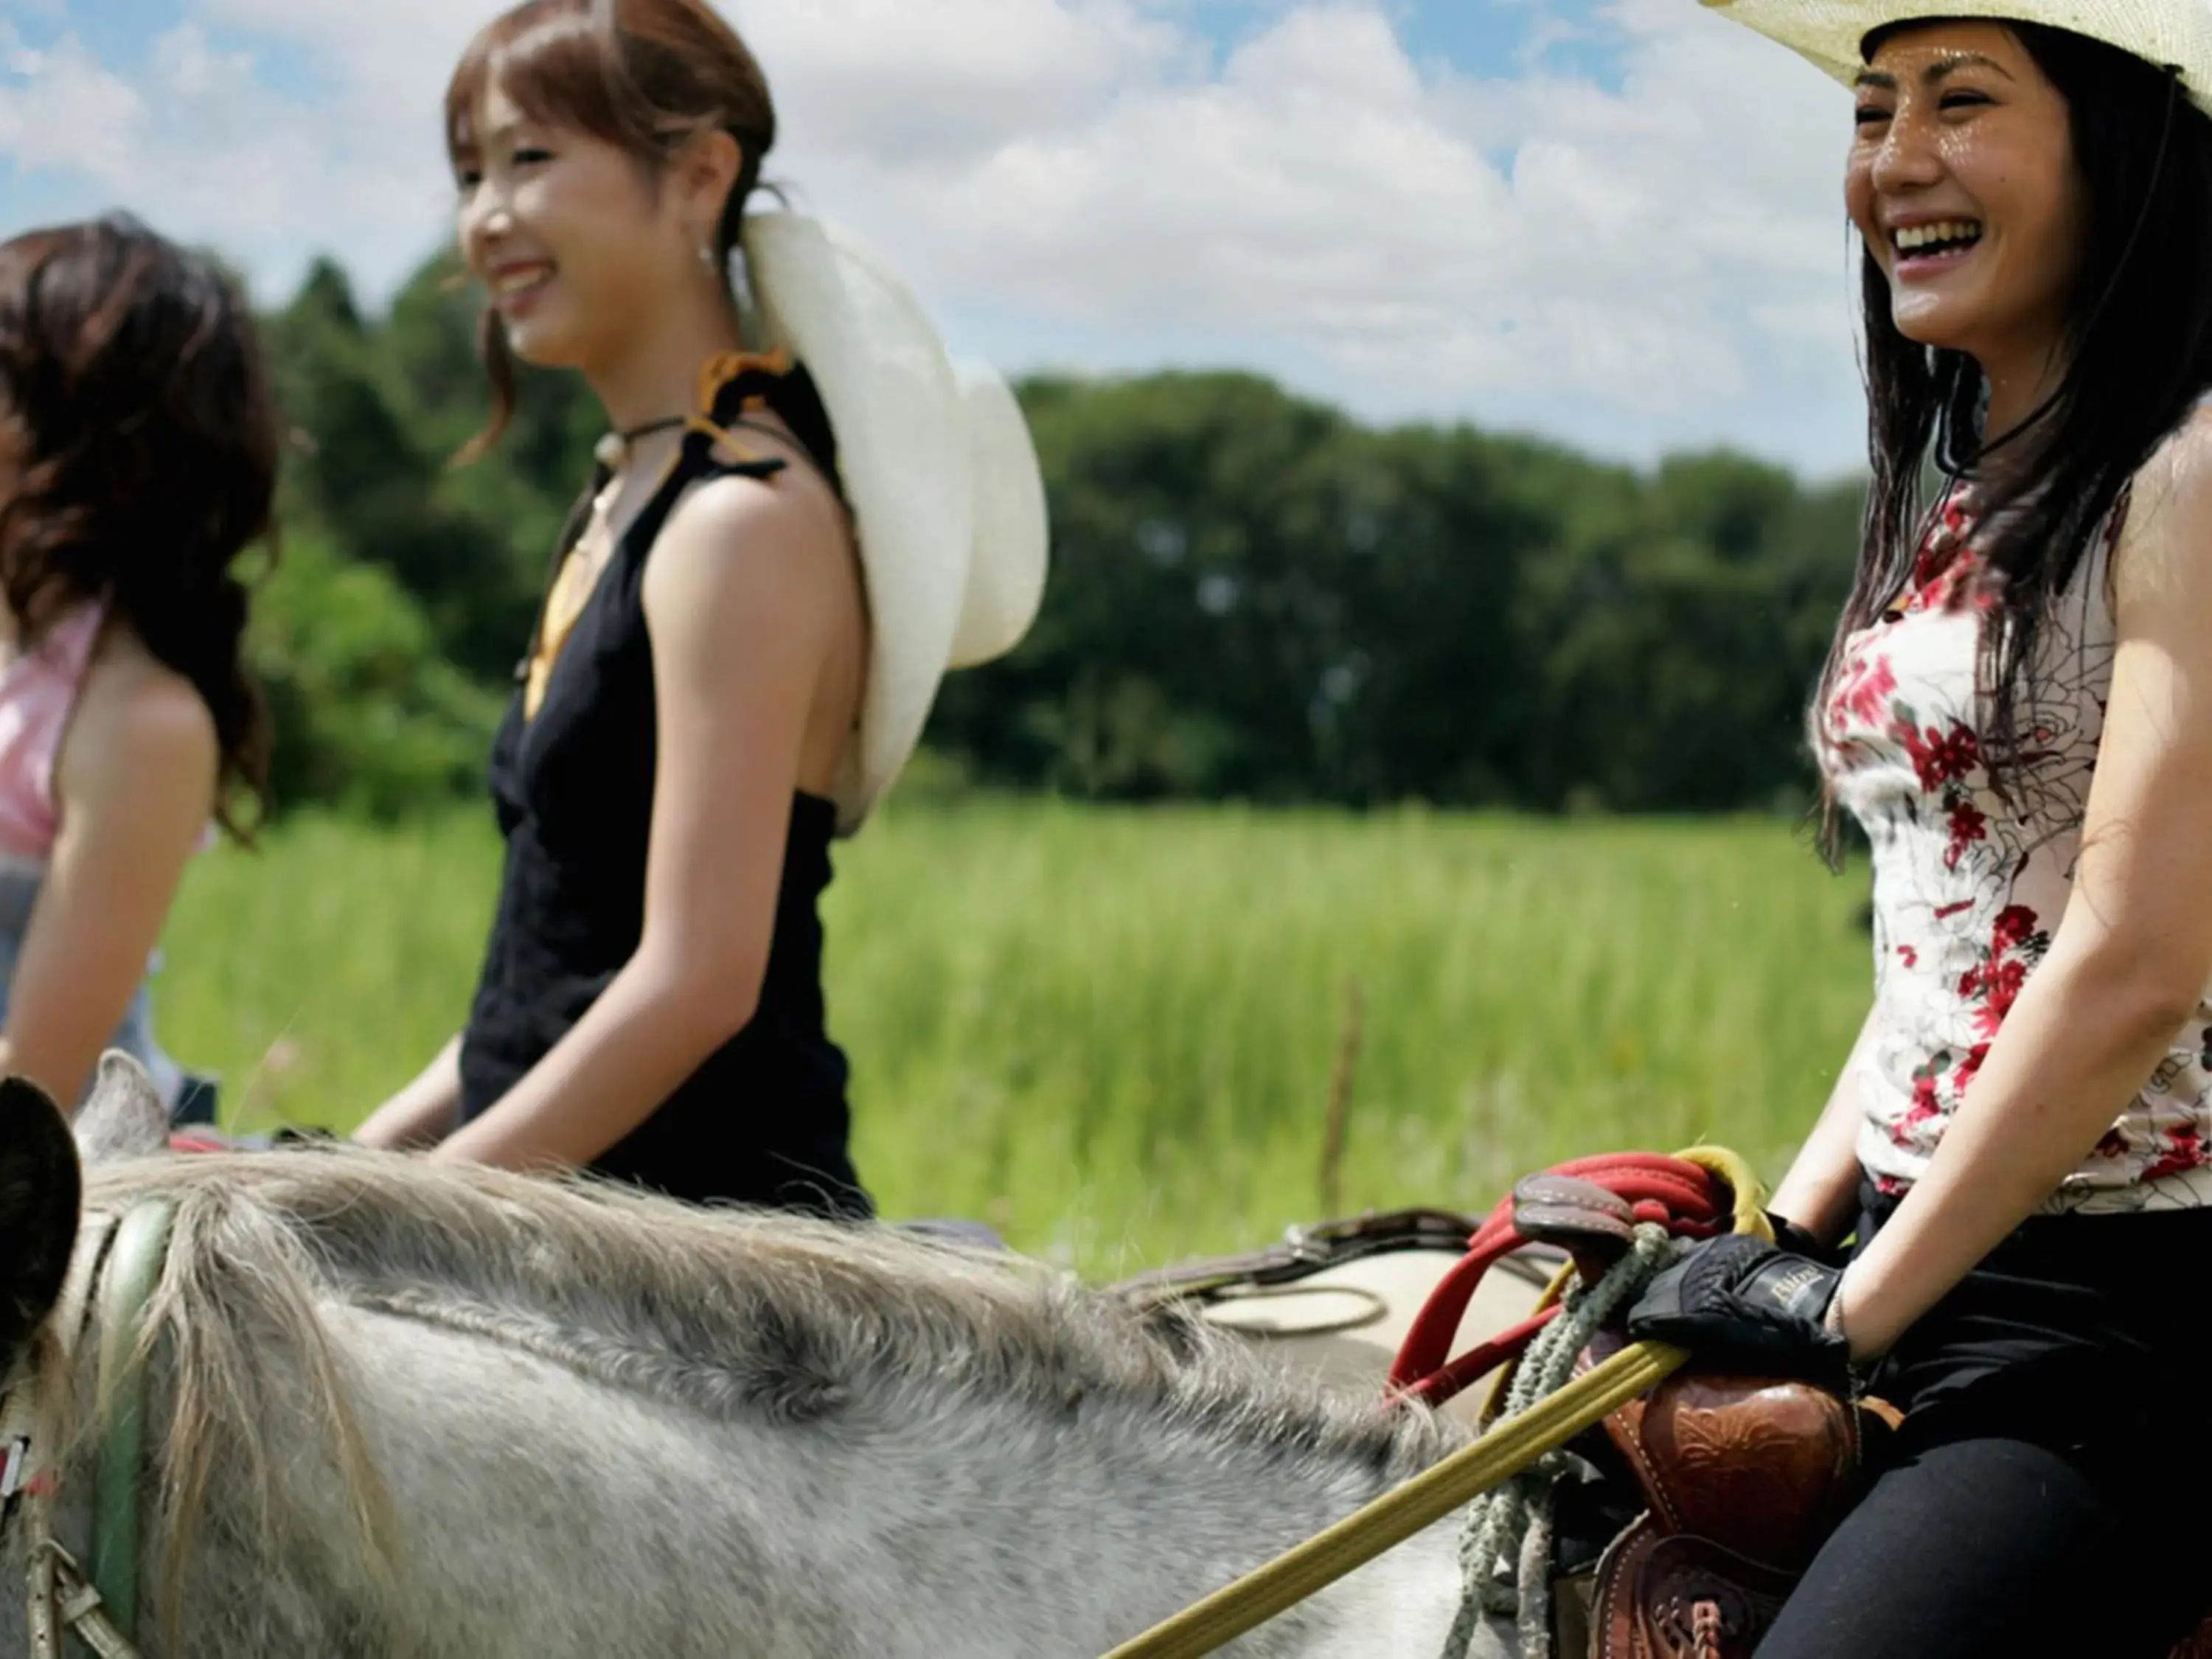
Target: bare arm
x,y
135,783
1820,1191
422,1113
745,595
2131,954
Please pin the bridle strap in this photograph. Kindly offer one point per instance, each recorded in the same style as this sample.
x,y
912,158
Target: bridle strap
x,y
133,1274
61,1602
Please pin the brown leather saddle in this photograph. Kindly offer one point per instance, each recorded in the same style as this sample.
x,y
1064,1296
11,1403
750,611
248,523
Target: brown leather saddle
x,y
1742,1478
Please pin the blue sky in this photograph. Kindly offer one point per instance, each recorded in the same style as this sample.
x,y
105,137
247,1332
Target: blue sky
x,y
1541,213
1490,39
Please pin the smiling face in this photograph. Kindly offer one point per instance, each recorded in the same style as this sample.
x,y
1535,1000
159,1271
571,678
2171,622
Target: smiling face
x,y
574,241
1964,183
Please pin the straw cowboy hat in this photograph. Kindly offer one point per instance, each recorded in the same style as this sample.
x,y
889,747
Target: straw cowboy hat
x,y
948,505
2175,34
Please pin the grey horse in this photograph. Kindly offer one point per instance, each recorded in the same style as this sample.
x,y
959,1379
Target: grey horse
x,y
401,1409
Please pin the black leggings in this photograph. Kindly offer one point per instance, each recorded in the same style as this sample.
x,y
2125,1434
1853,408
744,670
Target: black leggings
x,y
1997,1546
2050,1490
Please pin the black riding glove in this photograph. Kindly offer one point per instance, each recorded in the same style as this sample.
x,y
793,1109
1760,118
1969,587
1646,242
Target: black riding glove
x,y
1750,1305
1798,1242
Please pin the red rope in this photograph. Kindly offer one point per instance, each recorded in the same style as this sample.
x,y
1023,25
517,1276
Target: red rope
x,y
1682,1197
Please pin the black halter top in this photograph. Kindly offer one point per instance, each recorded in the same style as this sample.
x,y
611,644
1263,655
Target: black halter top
x,y
763,1119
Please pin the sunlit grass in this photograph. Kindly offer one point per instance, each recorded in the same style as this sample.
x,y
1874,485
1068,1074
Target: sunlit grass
x,y
1112,1032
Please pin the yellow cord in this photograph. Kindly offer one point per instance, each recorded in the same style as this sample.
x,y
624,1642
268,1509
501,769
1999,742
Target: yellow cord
x,y
1499,1454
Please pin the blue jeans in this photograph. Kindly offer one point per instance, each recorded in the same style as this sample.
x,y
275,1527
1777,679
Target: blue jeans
x,y
20,884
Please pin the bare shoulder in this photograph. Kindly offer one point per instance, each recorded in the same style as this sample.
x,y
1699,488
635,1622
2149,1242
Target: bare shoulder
x,y
2165,548
142,724
776,547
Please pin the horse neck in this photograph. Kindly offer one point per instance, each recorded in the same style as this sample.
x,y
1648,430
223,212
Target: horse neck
x,y
925,1522
547,1504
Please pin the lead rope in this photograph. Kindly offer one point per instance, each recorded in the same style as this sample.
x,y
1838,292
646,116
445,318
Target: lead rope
x,y
1509,1527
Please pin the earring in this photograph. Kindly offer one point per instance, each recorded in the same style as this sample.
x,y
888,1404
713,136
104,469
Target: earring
x,y
707,255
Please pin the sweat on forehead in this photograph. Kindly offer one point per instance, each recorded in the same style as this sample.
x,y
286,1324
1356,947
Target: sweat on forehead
x,y
1947,41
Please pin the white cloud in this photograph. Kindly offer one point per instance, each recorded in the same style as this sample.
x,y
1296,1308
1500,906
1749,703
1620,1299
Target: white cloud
x,y
948,83
1080,180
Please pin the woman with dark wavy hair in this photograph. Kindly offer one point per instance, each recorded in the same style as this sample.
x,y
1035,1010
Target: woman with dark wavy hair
x,y
2018,710
139,447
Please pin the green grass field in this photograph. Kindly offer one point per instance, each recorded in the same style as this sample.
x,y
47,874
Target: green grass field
x,y
1113,1033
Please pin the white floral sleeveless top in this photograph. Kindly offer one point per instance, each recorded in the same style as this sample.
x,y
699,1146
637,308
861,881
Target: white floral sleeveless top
x,y
1969,887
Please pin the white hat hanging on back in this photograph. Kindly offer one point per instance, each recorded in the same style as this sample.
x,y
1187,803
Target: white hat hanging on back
x,y
936,463
2171,35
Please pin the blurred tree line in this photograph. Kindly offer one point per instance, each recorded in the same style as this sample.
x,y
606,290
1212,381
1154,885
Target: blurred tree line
x,y
1252,595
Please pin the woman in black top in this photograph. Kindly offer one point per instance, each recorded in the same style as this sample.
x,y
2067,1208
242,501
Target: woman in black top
x,y
705,706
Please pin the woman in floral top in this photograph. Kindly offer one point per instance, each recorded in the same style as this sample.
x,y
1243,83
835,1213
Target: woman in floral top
x,y
2018,711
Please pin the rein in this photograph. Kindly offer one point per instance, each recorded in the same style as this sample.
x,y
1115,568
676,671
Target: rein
x,y
1704,1191
99,1609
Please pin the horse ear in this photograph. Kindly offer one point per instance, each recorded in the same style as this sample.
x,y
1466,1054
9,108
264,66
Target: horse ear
x,y
124,1115
40,1190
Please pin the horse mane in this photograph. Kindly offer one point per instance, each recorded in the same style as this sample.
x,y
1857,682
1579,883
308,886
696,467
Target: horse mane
x,y
728,1314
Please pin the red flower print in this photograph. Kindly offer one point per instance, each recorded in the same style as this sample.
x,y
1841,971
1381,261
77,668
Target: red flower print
x,y
1923,1107
2014,927
1938,758
1865,690
1938,552
1969,1067
2112,1143
1996,984
1969,824
1945,912
1945,567
2001,983
1912,959
2185,1151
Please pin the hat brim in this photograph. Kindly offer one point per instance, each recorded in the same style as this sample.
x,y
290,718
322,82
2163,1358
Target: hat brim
x,y
904,460
1006,572
2176,34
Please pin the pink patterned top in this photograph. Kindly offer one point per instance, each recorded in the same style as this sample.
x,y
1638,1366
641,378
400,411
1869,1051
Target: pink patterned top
x,y
1969,887
38,690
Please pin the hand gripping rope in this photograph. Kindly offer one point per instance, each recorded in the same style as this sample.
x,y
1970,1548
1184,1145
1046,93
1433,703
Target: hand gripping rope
x,y
1703,1192
1689,1198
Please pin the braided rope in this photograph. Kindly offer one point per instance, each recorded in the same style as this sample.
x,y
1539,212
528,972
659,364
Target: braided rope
x,y
1509,1527
1706,1629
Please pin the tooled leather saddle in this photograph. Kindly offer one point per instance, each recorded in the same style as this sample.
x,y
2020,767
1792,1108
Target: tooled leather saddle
x,y
1741,1479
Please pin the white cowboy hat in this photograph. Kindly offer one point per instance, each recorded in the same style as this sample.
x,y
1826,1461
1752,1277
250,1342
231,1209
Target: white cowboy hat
x,y
935,458
2173,34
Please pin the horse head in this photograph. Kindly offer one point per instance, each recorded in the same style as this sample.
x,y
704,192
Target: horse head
x,y
41,1181
41,1189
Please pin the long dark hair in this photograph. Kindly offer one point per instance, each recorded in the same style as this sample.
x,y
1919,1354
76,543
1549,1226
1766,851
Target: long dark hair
x,y
647,75
138,455
2139,356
